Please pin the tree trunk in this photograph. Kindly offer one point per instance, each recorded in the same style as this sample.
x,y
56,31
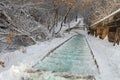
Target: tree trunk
x,y
76,18
64,20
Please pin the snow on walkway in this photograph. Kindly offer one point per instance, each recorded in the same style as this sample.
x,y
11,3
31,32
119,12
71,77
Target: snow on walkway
x,y
108,58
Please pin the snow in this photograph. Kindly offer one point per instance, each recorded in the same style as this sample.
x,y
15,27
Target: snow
x,y
113,13
79,20
107,57
71,24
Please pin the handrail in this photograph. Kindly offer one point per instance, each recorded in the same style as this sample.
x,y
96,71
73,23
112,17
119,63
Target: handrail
x,y
113,13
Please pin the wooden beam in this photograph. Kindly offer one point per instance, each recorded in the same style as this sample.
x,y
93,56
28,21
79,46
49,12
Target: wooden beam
x,y
112,14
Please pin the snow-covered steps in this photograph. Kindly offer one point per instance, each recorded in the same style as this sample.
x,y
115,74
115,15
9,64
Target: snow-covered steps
x,y
73,57
54,76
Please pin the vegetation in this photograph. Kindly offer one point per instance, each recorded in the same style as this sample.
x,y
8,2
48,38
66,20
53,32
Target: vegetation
x,y
24,22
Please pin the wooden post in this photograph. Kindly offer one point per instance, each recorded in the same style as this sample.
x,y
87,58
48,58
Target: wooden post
x,y
105,32
117,37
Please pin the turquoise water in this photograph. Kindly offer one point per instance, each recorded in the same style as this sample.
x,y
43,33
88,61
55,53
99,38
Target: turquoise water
x,y
72,57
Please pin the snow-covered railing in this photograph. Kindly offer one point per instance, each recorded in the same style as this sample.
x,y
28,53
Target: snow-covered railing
x,y
113,13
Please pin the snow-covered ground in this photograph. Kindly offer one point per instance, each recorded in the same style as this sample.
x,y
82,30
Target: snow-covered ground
x,y
107,56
